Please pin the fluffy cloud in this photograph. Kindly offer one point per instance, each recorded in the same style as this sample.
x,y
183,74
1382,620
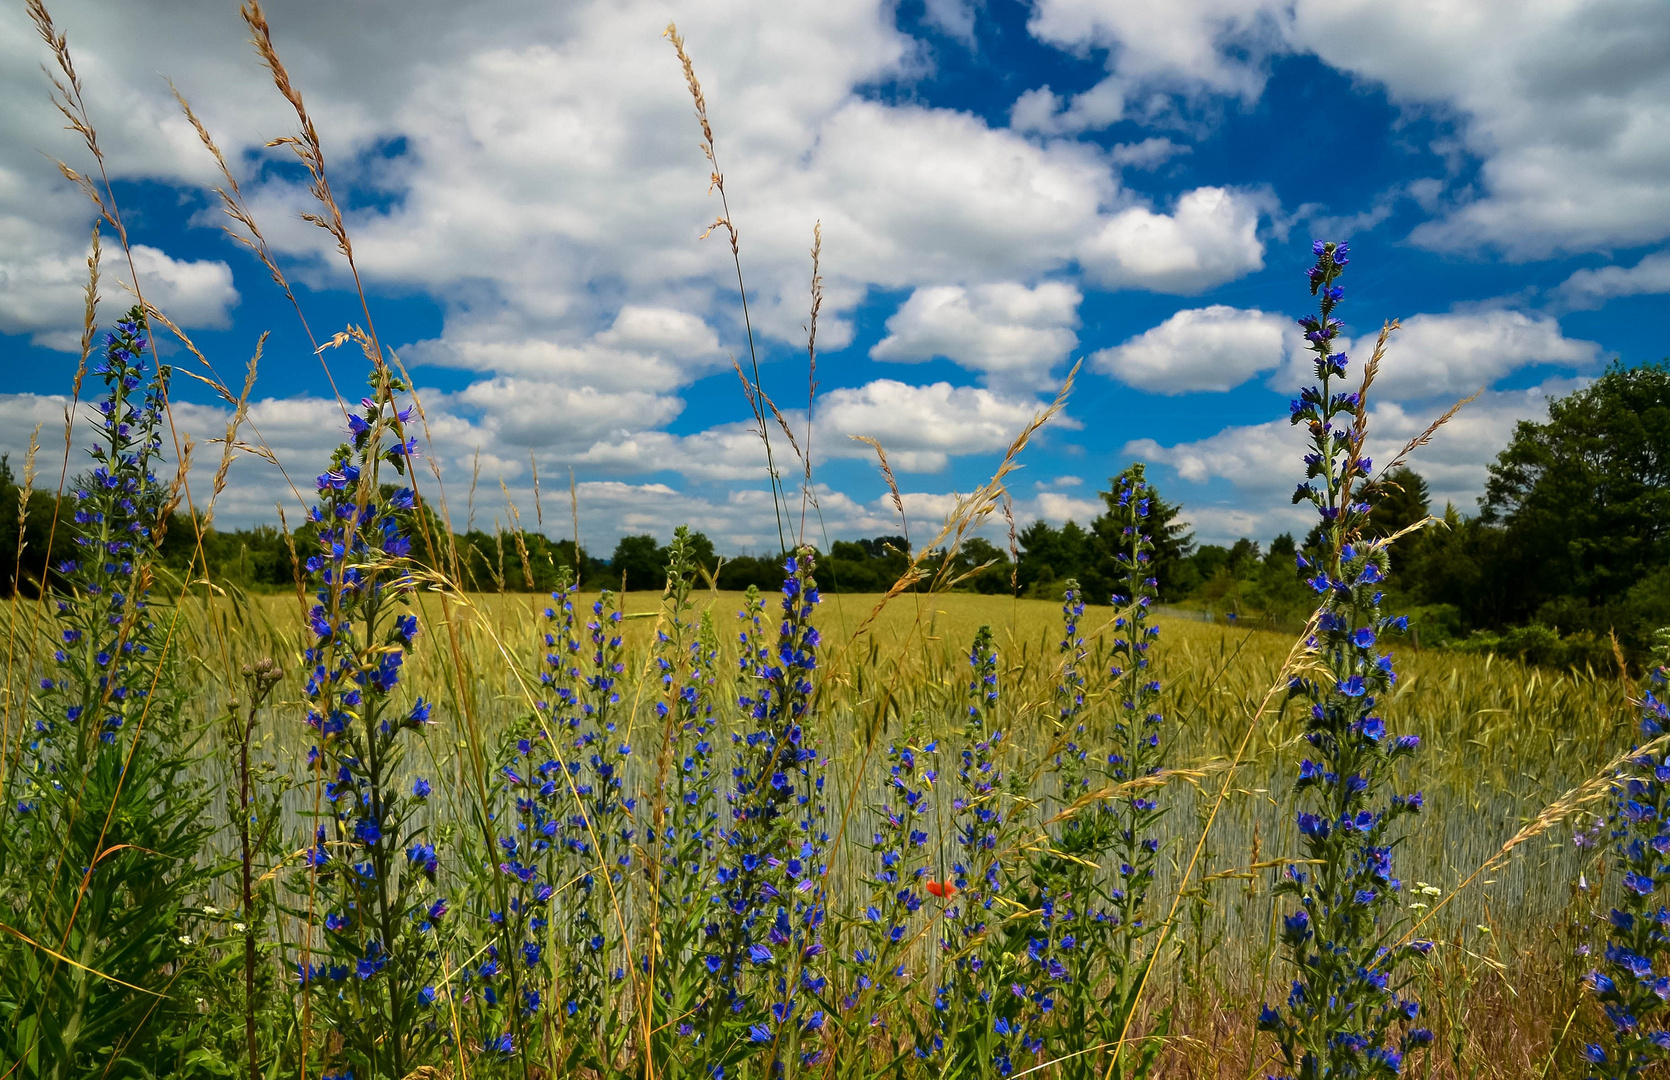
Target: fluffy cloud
x,y
1259,457
528,413
536,173
1261,463
922,426
727,452
1210,239
196,293
537,169
954,18
299,431
1561,102
1009,333
1592,288
1057,507
1209,348
1437,356
1458,353
44,247
925,196
45,221
644,347
1041,111
1192,46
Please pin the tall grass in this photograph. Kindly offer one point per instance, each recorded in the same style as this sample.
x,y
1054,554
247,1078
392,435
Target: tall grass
x,y
1502,742
720,835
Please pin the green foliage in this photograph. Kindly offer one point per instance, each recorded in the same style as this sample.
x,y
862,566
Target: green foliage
x,y
872,565
517,562
1350,1012
638,563
370,862
750,571
1050,556
1400,501
26,520
1571,535
865,565
1543,646
102,835
1584,497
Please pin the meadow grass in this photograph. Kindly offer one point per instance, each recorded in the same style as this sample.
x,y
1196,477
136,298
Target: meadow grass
x,y
1502,742
1515,762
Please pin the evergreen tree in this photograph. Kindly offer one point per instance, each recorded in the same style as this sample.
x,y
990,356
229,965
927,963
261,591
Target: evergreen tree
x,y
1172,540
1398,501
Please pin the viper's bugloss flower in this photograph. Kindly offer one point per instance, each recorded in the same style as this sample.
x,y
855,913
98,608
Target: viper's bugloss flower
x,y
894,917
1087,949
977,975
1342,1016
772,832
355,662
111,713
1634,988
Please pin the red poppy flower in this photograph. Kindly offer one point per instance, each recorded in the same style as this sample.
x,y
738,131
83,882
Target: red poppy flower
x,y
942,888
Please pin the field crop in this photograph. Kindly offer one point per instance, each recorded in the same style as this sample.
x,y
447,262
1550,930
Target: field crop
x,y
1503,742
381,827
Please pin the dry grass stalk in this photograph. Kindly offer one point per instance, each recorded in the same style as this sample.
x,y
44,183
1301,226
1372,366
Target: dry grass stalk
x,y
250,235
1014,543
1359,424
807,494
1431,429
539,511
892,482
305,145
716,182
229,444
89,314
475,481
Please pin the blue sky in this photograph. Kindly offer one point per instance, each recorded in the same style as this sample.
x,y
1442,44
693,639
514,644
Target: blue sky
x,y
1004,188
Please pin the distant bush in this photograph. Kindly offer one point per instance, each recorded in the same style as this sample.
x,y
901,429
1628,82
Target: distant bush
x,y
1543,646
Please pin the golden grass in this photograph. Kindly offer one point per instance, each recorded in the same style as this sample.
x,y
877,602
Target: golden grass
x,y
1501,743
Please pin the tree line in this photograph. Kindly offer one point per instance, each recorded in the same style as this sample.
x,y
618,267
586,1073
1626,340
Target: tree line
x,y
1569,544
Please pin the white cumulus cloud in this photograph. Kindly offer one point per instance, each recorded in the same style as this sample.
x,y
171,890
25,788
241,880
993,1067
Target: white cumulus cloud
x,y
1454,354
1193,45
1261,463
1564,103
1211,238
1592,288
922,426
1009,333
1561,102
1210,348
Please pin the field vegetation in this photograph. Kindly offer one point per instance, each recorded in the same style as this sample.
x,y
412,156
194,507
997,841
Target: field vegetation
x,y
371,796
1564,552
